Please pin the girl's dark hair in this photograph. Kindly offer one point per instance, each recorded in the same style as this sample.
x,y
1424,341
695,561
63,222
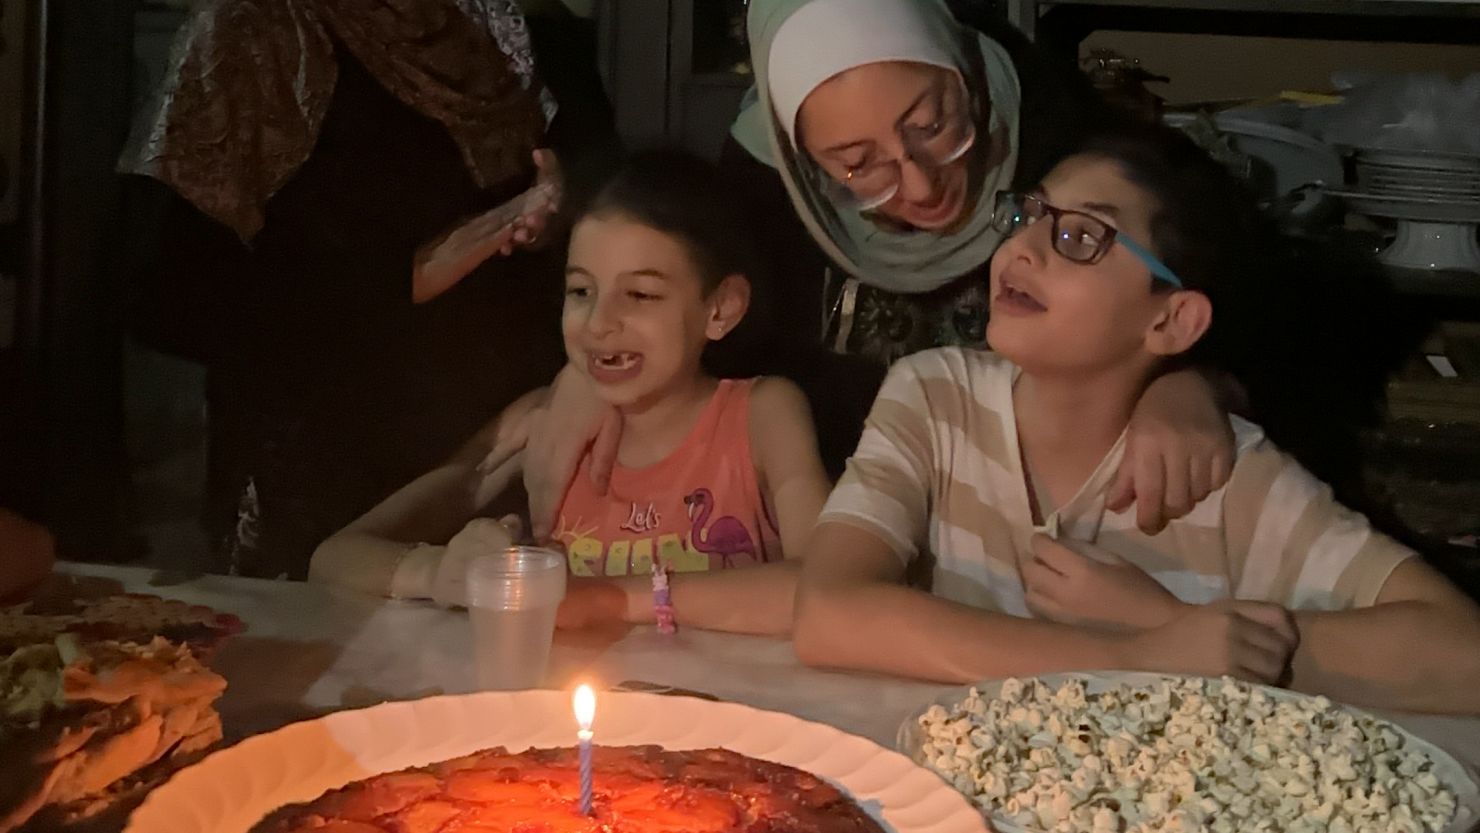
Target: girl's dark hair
x,y
1303,326
680,195
683,196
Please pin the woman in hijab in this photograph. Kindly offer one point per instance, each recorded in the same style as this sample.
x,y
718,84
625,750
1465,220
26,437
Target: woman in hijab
x,y
870,151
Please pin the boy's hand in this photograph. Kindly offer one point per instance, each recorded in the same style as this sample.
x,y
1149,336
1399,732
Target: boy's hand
x,y
590,602
1250,640
1179,449
1094,588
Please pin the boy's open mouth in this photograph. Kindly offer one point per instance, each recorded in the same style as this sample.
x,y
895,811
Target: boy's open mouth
x,y
1014,298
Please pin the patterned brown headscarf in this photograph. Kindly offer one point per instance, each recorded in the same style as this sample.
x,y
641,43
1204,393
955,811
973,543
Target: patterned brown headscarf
x,y
250,81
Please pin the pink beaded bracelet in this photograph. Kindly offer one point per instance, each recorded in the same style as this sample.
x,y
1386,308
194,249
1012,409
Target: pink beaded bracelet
x,y
662,600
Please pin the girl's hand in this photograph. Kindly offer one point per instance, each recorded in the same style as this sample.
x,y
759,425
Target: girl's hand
x,y
1179,449
572,419
481,535
518,223
1250,640
590,602
1094,588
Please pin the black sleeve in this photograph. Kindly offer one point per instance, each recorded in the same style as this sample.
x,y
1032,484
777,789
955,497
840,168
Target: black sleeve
x,y
789,291
786,312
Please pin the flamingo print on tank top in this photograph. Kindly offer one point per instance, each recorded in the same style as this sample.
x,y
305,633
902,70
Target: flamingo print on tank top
x,y
726,538
698,509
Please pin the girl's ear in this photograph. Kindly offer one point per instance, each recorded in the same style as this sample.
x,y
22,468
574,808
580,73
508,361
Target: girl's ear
x,y
727,305
1184,319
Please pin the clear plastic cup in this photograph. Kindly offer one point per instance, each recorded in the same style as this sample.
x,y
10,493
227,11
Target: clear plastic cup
x,y
512,598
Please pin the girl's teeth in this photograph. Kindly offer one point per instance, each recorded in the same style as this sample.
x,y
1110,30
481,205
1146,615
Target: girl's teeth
x,y
617,361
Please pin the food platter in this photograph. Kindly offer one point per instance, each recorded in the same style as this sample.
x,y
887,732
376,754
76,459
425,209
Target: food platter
x,y
232,790
1462,782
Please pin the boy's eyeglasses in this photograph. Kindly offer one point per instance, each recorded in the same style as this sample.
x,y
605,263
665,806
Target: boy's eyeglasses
x,y
1077,236
931,147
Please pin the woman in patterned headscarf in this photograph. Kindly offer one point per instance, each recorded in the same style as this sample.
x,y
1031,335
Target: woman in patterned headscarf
x,y
311,149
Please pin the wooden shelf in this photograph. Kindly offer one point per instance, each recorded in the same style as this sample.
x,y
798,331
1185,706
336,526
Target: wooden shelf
x,y
1436,284
1345,8
1061,24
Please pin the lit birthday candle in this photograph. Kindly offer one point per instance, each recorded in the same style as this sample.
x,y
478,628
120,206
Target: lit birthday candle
x,y
585,708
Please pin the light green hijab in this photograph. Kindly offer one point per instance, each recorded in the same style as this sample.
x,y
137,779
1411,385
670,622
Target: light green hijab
x,y
897,261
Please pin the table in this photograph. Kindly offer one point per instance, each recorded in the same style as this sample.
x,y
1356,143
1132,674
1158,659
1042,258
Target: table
x,y
310,649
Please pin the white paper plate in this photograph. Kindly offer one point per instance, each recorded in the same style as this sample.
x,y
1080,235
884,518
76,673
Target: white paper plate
x,y
1450,771
235,788
1295,158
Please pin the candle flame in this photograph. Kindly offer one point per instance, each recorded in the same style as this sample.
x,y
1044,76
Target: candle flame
x,y
585,706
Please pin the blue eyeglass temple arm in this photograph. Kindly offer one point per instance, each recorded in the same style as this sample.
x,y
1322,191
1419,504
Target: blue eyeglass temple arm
x,y
1159,270
1010,202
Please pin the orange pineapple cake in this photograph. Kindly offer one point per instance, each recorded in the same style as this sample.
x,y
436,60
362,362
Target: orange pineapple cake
x,y
636,789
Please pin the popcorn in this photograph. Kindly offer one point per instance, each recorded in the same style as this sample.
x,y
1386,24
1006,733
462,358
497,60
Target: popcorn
x,y
1182,755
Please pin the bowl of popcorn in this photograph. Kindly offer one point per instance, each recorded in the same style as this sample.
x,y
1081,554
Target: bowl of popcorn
x,y
1122,752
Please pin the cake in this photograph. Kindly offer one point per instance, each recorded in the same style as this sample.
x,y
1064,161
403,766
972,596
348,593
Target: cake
x,y
637,789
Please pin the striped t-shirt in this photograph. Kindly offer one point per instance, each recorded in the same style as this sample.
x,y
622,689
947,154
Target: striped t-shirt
x,y
938,477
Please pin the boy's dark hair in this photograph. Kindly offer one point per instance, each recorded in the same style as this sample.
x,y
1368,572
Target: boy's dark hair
x,y
1205,226
1302,325
680,195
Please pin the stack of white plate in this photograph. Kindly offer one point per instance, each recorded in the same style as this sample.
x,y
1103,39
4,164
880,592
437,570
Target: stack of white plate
x,y
1435,197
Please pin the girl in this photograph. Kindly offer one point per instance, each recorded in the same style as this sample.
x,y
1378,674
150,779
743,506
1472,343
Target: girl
x,y
710,473
998,466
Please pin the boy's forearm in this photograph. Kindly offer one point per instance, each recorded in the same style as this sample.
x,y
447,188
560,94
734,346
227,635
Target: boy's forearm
x,y
893,629
1376,657
753,600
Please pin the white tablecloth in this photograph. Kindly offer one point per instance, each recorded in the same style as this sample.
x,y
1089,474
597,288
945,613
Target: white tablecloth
x,y
309,650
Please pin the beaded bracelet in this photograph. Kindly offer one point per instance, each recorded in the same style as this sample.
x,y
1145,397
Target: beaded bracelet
x,y
662,600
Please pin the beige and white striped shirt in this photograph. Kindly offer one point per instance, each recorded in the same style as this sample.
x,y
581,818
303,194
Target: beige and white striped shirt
x,y
938,476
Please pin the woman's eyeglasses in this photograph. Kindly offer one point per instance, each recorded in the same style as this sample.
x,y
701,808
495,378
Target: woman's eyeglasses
x,y
932,147
1077,236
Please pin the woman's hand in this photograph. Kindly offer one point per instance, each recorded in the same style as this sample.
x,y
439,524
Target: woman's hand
x,y
1094,587
518,223
542,204
1179,449
571,419
1250,640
